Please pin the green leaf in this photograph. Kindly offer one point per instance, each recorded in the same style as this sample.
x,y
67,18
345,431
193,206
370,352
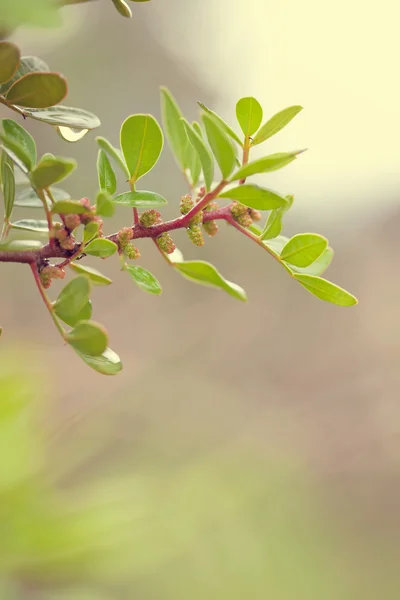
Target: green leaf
x,y
65,116
144,279
24,140
221,123
17,152
101,247
72,299
69,207
318,266
104,206
95,276
174,128
325,290
28,64
276,123
21,245
107,363
90,232
84,315
303,249
273,226
88,337
205,274
221,146
195,164
51,170
31,225
249,115
106,175
273,162
38,90
40,13
115,153
140,199
122,8
9,61
256,197
204,154
141,143
29,198
8,189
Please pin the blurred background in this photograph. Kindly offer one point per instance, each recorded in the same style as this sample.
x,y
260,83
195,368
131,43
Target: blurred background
x,y
254,450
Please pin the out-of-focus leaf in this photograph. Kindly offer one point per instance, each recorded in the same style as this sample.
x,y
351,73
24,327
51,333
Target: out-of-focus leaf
x,y
122,8
84,315
88,337
51,170
204,154
221,146
108,363
28,64
9,60
38,90
95,276
140,199
29,198
23,139
144,279
206,274
31,225
8,189
72,299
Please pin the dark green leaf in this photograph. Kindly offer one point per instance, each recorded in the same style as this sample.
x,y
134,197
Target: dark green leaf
x,y
303,249
276,123
69,207
65,117
221,146
221,123
325,290
17,152
101,247
144,279
24,140
140,199
115,153
38,90
204,154
106,175
122,8
8,189
107,363
9,60
104,206
95,276
273,162
206,274
88,337
29,198
51,170
28,64
84,315
141,143
72,299
256,197
31,225
249,115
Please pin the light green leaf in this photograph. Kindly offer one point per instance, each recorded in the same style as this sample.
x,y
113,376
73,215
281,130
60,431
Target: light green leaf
x,y
31,225
273,226
144,279
249,114
69,207
108,363
256,197
40,13
303,249
141,143
38,90
204,154
206,274
122,8
221,123
115,153
106,175
29,198
51,170
88,337
65,117
273,162
174,128
101,247
195,164
325,290
9,60
8,189
140,199
318,266
23,139
276,123
72,299
84,315
277,243
104,205
17,152
21,245
221,146
95,276
90,232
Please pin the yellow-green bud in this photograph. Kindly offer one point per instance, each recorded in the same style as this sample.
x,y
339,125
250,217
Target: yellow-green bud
x,y
72,221
186,204
131,251
166,243
196,235
211,228
124,236
150,217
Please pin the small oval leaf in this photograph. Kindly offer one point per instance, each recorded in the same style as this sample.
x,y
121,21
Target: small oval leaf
x,y
8,189
221,123
29,198
9,60
101,247
326,290
221,146
95,276
276,123
108,363
65,116
270,163
72,299
206,274
303,249
115,153
204,154
140,199
105,172
51,170
249,114
104,206
255,197
141,143
24,140
31,225
84,315
144,279
88,337
38,90
69,207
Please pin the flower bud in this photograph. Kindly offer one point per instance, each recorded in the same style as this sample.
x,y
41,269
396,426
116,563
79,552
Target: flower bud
x,y
71,222
196,235
150,217
255,214
211,228
124,236
186,204
166,243
131,251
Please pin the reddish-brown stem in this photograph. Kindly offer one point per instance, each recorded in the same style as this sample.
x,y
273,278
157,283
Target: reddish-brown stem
x,y
255,238
45,299
246,153
135,216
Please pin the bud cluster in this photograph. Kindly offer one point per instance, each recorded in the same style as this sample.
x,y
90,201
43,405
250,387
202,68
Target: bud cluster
x,y
49,272
166,243
62,232
127,247
211,227
150,217
244,215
